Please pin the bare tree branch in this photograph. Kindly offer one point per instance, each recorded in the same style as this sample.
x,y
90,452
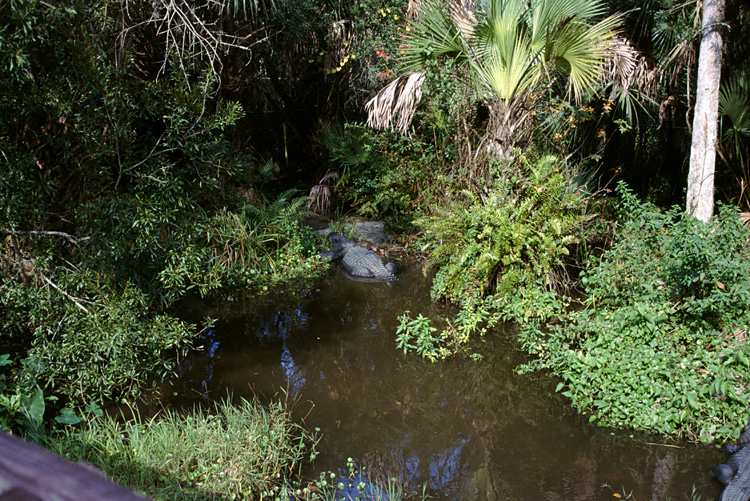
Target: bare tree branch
x,y
70,238
75,301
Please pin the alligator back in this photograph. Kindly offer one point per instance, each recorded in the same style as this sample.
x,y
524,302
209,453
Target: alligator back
x,y
358,261
736,473
361,262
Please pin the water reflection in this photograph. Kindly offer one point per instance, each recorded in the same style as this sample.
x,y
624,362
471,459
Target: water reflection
x,y
470,430
295,380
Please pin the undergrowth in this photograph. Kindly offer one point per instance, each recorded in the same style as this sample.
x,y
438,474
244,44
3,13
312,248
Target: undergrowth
x,y
519,232
660,344
243,451
514,239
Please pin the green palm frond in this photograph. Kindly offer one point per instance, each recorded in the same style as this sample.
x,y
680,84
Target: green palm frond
x,y
286,207
734,114
582,50
347,148
509,46
507,75
434,35
734,106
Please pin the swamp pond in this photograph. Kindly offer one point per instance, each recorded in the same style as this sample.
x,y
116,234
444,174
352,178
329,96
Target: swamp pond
x,y
468,430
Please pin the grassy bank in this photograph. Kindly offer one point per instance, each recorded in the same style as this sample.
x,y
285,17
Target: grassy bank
x,y
242,451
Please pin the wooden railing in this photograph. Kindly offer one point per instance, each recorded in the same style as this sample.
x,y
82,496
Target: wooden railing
x,y
30,473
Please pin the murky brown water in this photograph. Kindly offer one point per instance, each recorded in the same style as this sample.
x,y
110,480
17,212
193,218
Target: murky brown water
x,y
470,430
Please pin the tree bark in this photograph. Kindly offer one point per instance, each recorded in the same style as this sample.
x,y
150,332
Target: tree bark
x,y
700,194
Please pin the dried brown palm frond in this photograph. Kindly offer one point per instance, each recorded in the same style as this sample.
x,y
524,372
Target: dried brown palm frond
x,y
320,199
464,15
630,76
667,108
739,335
628,68
330,177
320,194
412,10
394,106
621,65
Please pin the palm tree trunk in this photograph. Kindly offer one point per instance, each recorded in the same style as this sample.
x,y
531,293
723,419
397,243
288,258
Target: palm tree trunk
x,y
507,126
700,194
499,130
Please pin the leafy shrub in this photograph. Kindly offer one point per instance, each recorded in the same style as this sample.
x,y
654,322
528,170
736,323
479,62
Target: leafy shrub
x,y
86,340
418,335
139,176
22,402
521,231
257,247
661,344
471,320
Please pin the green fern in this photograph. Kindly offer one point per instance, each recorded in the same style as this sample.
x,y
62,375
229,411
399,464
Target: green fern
x,y
519,234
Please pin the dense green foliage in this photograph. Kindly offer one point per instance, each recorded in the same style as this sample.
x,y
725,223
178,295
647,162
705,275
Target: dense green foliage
x,y
127,180
512,241
100,344
660,343
382,174
516,234
659,340
122,192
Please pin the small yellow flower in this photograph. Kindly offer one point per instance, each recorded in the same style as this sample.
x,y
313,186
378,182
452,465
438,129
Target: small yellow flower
x,y
395,17
407,28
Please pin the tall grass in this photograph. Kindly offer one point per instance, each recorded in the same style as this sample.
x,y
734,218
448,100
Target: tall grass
x,y
235,451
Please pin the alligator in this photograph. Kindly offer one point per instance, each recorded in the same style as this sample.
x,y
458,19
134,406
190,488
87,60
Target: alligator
x,y
359,262
735,474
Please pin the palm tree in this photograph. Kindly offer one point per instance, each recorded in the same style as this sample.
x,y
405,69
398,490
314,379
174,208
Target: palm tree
x,y
734,126
508,50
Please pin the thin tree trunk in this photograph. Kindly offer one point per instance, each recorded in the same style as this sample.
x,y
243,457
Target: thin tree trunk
x,y
700,194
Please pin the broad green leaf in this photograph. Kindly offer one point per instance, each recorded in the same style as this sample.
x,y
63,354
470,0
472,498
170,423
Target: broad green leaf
x,y
68,416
